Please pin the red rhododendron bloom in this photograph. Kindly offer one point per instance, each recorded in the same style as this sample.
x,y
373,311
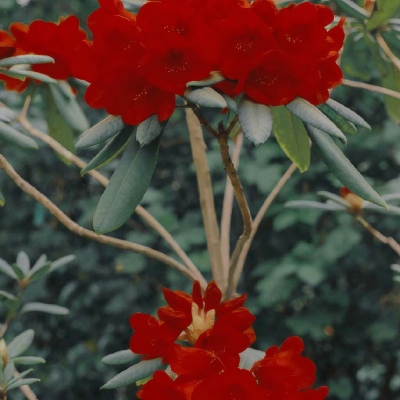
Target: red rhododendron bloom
x,y
161,387
7,45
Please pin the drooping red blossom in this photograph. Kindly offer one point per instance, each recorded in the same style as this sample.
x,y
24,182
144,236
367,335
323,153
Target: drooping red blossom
x,y
284,368
237,384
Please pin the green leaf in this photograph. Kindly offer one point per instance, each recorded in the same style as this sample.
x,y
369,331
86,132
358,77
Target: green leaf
x,y
393,210
292,137
14,137
333,197
134,374
346,127
347,114
7,269
386,9
120,357
61,262
231,103
21,343
249,357
57,127
7,295
206,97
26,59
29,360
23,262
392,81
2,199
314,204
255,120
22,382
149,130
352,9
18,378
7,115
39,272
18,271
40,262
214,77
22,74
312,116
8,371
341,167
127,186
110,150
68,106
43,307
100,132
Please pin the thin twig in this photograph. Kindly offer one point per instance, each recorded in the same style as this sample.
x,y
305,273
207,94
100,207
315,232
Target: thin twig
x,y
25,389
378,235
386,49
371,88
227,207
86,233
141,211
256,224
206,196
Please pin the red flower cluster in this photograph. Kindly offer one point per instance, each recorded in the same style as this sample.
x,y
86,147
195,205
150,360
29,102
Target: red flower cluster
x,y
137,64
201,339
59,41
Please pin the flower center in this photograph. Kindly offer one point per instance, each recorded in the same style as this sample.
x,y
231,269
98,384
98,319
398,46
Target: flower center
x,y
201,321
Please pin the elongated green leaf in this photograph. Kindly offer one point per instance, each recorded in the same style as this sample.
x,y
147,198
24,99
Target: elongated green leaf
x,y
100,132
341,167
18,271
26,59
43,307
134,374
40,262
22,74
352,9
110,150
333,197
120,357
12,136
391,80
68,107
314,117
346,127
315,205
7,295
21,343
127,186
19,377
206,97
386,10
249,357
347,114
7,115
149,130
22,382
291,135
231,103
393,210
214,77
23,262
8,371
61,262
38,273
29,360
255,120
7,269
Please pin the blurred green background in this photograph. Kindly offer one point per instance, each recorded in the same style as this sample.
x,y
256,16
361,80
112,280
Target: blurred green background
x,y
310,273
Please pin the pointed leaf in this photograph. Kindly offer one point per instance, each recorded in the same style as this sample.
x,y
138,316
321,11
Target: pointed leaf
x,y
29,360
352,9
333,197
22,74
19,377
7,269
315,205
8,371
348,114
23,262
386,9
341,167
26,59
43,307
255,120
134,374
393,210
69,107
7,115
127,186
345,126
21,343
206,97
149,130
291,135
120,357
110,150
100,132
231,103
18,271
22,382
38,273
7,295
12,136
61,262
314,117
214,77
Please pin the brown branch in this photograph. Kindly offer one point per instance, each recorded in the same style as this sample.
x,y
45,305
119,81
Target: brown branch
x,y
206,196
141,211
386,49
378,235
256,224
371,88
227,207
86,233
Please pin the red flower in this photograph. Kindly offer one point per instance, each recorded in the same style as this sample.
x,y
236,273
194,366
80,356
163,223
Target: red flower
x,y
7,45
284,368
161,387
232,384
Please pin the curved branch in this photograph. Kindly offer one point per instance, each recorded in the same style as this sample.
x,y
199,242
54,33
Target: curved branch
x,y
371,88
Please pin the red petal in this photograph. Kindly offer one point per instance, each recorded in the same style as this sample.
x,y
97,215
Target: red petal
x,y
212,296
